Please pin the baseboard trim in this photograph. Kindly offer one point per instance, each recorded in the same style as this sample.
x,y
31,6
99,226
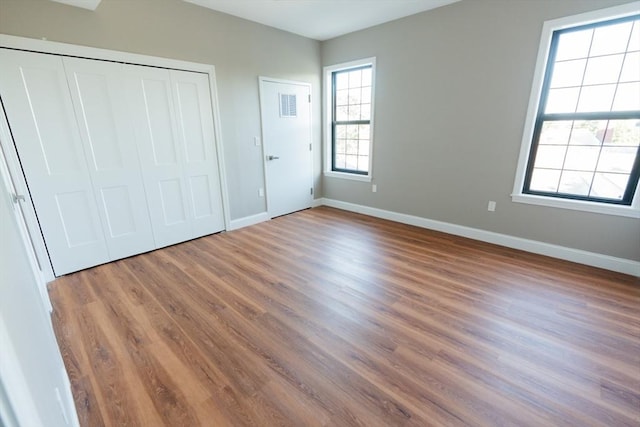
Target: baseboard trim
x,y
317,202
235,224
593,259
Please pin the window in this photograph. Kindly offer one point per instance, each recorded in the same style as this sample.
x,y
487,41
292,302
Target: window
x,y
349,119
583,139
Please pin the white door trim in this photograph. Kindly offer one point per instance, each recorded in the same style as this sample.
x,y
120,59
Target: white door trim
x,y
44,46
261,81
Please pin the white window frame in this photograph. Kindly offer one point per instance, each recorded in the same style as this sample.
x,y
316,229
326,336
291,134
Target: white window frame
x,y
327,91
541,64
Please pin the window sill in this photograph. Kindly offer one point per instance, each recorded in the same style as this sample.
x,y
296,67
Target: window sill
x,y
578,205
351,176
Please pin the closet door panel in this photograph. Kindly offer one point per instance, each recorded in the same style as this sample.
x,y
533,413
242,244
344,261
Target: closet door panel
x,y
195,126
98,92
36,98
161,155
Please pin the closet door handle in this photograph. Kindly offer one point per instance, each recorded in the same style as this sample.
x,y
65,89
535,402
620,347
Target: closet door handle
x,y
17,197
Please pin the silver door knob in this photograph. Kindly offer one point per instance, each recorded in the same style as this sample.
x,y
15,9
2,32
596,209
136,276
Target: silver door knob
x,y
17,197
272,157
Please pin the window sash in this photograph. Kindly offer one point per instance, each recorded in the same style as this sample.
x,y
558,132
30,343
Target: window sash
x,y
335,123
542,118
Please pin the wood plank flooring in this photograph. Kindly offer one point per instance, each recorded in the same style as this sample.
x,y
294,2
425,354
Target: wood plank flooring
x,y
325,317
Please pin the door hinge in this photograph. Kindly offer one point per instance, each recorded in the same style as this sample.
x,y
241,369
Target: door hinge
x,y
310,147
309,98
311,191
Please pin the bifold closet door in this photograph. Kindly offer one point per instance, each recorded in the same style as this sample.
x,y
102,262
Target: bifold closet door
x,y
98,94
39,109
171,112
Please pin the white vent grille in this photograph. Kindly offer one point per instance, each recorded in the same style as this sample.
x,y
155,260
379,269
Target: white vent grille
x,y
288,105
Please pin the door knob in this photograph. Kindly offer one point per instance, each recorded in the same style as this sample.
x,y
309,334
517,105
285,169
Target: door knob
x,y
272,157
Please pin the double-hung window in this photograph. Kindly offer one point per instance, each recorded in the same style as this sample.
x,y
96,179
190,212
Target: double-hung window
x,y
581,146
349,119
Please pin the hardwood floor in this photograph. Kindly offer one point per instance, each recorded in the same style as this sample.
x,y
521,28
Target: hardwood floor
x,y
326,317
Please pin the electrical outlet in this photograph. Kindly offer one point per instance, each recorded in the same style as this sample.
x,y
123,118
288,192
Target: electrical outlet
x,y
261,192
491,207
374,188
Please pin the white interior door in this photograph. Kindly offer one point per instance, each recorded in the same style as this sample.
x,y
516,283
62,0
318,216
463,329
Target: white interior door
x,y
196,134
161,153
173,123
98,94
34,91
286,131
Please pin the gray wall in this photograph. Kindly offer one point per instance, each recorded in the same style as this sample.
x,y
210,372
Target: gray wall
x,y
452,90
240,50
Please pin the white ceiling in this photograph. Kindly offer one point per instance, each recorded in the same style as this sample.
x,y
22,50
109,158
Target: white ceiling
x,y
320,19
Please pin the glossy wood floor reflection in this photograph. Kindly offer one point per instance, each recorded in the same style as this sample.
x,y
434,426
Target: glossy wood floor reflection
x,y
326,317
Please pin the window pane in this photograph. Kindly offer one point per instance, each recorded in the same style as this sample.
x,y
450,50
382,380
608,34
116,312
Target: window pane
x,y
363,148
340,161
352,146
634,41
341,131
355,78
351,162
562,101
355,96
574,45
366,95
352,131
341,146
342,81
631,68
364,132
627,97
366,77
365,112
581,158
576,183
609,186
363,163
611,39
545,180
617,159
342,97
623,132
354,112
603,69
568,73
588,132
555,132
342,113
550,156
596,98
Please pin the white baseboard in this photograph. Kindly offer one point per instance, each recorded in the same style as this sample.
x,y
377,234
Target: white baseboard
x,y
248,220
621,265
317,202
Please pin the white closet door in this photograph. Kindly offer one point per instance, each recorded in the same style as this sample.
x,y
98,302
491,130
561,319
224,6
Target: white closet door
x,y
161,153
196,133
98,93
34,91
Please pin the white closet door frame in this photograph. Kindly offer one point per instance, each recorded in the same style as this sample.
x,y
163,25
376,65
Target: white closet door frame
x,y
45,46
